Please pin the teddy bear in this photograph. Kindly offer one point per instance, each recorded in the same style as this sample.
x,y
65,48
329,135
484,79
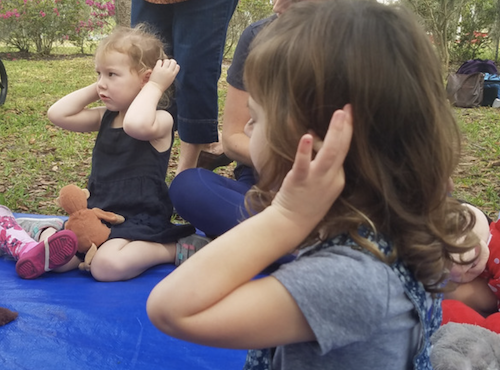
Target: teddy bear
x,y
465,346
86,223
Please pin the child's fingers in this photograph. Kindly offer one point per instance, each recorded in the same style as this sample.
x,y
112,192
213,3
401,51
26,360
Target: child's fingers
x,y
331,152
300,168
171,63
337,141
174,67
167,63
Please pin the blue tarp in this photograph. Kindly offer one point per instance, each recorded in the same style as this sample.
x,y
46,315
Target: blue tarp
x,y
70,321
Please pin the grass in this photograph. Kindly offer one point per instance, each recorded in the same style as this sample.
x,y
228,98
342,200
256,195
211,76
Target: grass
x,y
37,159
477,178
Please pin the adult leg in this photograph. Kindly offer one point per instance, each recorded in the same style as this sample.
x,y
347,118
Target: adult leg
x,y
159,18
213,203
210,202
199,35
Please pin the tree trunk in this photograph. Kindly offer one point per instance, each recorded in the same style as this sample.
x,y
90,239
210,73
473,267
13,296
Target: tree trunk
x,y
123,12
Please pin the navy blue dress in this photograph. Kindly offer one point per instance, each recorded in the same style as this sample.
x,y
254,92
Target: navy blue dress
x,y
128,178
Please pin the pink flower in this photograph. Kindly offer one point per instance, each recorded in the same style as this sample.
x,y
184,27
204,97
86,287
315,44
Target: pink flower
x,y
42,13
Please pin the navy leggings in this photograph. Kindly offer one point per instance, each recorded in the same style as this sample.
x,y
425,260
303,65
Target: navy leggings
x,y
210,202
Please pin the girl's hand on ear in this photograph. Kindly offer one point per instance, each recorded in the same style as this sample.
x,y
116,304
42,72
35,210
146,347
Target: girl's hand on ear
x,y
163,74
312,186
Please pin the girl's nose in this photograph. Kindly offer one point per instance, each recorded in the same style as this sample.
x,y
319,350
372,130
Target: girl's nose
x,y
100,82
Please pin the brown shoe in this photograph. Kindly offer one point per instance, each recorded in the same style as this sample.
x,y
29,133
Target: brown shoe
x,y
211,161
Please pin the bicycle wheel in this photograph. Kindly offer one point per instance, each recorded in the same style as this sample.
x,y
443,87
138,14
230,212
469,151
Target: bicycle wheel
x,y
3,83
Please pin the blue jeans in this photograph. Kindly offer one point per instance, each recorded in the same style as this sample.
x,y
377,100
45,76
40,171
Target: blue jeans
x,y
194,32
210,202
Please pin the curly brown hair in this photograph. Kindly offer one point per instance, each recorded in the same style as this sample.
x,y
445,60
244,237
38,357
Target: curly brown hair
x,y
318,57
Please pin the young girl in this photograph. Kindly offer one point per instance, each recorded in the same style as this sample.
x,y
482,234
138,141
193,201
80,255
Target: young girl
x,y
478,271
131,154
359,295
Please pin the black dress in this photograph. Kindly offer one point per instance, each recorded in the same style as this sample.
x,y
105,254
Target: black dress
x,y
128,178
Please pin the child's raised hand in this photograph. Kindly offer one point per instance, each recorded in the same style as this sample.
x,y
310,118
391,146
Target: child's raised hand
x,y
312,186
164,73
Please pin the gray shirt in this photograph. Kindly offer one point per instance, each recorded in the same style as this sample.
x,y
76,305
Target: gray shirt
x,y
357,308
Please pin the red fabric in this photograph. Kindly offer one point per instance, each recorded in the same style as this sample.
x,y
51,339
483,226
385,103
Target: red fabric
x,y
492,271
456,311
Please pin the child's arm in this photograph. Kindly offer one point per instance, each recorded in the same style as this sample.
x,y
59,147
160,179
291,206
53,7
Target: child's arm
x,y
477,295
211,299
143,121
70,112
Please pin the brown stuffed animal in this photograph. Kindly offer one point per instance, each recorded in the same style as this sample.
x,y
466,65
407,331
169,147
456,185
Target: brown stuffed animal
x,y
6,316
85,223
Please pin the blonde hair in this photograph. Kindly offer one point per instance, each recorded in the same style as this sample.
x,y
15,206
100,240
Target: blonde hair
x,y
316,58
142,47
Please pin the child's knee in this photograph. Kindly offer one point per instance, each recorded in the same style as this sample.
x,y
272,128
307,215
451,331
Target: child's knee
x,y
105,268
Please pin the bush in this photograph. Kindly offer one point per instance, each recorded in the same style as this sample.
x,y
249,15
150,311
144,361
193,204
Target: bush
x,y
41,23
474,37
98,22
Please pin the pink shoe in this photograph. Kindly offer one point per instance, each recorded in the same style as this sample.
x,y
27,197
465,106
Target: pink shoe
x,y
54,252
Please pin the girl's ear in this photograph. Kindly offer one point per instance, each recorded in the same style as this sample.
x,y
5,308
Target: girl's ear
x,y
145,76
